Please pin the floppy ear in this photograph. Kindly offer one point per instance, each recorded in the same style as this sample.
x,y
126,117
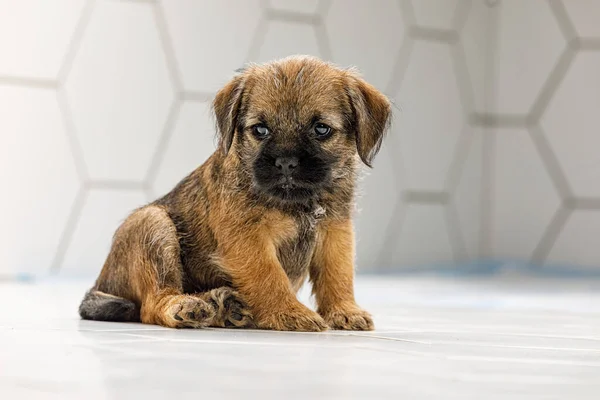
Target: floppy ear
x,y
226,107
372,116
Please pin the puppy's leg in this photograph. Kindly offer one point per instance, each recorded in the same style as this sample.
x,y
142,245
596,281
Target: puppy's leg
x,y
332,275
252,264
148,246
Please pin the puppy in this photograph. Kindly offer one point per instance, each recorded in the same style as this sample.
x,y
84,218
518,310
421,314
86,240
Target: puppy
x,y
234,241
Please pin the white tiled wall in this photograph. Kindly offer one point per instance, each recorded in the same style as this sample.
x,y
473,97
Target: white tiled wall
x,y
544,125
105,104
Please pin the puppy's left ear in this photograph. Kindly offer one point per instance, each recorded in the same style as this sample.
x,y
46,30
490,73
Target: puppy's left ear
x,y
226,107
372,115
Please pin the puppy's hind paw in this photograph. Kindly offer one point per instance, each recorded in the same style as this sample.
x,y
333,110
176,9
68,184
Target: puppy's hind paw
x,y
189,312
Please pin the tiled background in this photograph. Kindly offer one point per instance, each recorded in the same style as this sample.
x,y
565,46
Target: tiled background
x,y
493,153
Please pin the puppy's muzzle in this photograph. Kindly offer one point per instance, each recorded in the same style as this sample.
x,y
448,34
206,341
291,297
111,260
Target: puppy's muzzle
x,y
287,165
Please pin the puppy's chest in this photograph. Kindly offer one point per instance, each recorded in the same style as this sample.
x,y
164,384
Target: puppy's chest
x,y
296,253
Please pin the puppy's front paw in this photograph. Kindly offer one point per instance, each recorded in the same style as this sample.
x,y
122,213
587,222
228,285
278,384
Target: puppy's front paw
x,y
296,318
349,319
232,311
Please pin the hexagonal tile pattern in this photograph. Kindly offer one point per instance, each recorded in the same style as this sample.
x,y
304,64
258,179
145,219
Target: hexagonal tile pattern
x,y
529,45
359,44
304,6
35,35
435,13
192,142
207,52
432,117
577,244
378,196
424,237
585,14
103,212
524,197
467,195
122,58
475,38
572,124
119,107
38,179
283,39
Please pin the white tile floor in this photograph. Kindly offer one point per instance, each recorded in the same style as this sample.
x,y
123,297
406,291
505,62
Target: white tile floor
x,y
436,338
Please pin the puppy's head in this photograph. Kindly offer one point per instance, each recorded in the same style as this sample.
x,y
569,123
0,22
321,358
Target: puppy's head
x,y
298,125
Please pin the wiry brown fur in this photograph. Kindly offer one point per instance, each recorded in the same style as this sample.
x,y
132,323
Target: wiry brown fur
x,y
218,251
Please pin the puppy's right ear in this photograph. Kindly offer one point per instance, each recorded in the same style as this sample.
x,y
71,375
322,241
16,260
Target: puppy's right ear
x,y
226,107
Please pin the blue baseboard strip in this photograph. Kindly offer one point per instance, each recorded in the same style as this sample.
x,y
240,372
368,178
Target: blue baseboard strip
x,y
492,268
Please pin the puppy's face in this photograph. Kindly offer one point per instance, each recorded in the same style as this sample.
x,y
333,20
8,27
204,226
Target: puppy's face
x,y
298,125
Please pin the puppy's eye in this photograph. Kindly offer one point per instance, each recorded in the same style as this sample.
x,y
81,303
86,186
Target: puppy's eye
x,y
322,131
261,131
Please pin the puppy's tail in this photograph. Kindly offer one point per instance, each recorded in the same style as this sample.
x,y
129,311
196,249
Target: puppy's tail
x,y
100,306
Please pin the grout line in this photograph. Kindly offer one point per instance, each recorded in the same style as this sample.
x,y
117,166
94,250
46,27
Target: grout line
x,y
488,139
463,78
400,65
589,44
163,143
551,85
426,197
323,8
393,141
553,230
461,154
582,203
455,172
166,41
31,82
461,150
487,193
492,120
408,12
561,16
393,232
461,14
433,34
455,233
550,161
258,39
76,40
323,41
69,230
292,17
71,133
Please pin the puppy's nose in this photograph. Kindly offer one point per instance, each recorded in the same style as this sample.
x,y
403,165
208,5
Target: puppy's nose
x,y
286,164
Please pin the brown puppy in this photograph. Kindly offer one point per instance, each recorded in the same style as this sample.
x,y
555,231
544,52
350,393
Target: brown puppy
x,y
233,242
